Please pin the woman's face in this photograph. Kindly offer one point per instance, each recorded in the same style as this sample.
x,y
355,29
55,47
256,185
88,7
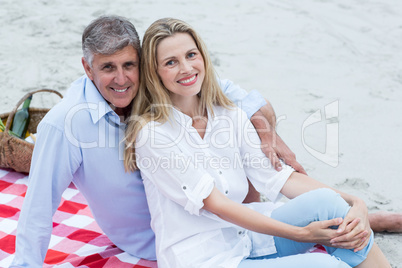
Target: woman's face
x,y
180,65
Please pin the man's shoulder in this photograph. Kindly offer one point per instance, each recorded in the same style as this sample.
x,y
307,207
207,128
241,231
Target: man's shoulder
x,y
74,100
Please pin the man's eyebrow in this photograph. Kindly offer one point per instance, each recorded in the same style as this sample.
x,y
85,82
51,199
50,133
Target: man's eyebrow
x,y
106,63
134,62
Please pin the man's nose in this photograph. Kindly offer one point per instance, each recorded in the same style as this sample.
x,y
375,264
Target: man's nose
x,y
120,77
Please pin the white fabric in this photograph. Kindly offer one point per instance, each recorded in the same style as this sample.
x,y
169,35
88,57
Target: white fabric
x,y
179,170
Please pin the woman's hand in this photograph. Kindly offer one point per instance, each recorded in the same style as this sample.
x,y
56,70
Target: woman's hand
x,y
354,232
320,232
323,232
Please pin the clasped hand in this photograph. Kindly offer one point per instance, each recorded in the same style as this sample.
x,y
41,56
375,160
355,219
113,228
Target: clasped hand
x,y
353,232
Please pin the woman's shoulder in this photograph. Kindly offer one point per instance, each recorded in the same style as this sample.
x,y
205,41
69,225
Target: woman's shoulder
x,y
158,134
152,126
157,128
235,113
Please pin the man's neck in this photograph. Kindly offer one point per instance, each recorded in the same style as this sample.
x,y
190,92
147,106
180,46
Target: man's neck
x,y
121,112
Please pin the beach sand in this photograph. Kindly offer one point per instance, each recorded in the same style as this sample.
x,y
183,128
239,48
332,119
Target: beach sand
x,y
331,69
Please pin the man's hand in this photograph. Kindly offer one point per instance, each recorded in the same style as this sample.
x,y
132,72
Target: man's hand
x,y
271,144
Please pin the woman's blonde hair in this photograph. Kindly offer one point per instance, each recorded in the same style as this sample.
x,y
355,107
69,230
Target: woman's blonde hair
x,y
152,101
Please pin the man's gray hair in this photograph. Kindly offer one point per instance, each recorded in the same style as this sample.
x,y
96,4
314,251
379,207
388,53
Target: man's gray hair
x,y
108,34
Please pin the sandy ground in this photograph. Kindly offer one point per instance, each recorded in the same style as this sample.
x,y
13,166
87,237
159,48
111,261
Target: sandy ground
x,y
332,70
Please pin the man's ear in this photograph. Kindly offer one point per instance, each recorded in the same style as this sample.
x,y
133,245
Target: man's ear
x,y
87,68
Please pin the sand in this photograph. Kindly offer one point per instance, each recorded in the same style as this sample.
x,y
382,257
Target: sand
x,y
304,56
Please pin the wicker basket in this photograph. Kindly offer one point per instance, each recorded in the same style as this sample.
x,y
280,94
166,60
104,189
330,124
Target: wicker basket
x,y
16,153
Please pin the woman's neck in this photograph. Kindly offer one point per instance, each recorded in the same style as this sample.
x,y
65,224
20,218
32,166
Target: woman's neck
x,y
192,107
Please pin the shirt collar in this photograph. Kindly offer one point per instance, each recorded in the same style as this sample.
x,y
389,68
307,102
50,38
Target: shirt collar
x,y
97,105
186,121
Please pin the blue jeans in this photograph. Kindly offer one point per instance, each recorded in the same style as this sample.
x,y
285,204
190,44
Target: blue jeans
x,y
317,205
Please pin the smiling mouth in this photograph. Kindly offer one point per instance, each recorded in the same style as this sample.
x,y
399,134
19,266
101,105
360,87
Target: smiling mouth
x,y
188,80
120,90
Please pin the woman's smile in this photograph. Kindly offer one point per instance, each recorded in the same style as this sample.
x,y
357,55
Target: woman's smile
x,y
188,81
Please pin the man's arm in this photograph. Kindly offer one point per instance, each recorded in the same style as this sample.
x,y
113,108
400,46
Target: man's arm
x,y
249,102
264,121
262,116
50,175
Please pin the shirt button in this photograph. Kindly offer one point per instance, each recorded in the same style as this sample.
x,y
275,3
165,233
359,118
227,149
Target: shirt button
x,y
184,187
226,192
220,172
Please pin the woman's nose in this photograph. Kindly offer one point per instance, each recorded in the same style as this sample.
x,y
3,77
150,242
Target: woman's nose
x,y
186,67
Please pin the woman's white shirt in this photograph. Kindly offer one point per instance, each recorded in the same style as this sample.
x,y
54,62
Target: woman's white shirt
x,y
180,169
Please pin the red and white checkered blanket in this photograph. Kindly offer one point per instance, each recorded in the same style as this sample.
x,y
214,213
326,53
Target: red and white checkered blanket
x,y
77,241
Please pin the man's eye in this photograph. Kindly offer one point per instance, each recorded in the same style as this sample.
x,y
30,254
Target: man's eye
x,y
107,67
130,64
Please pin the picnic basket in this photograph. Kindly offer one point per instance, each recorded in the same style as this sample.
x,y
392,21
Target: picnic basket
x,y
16,153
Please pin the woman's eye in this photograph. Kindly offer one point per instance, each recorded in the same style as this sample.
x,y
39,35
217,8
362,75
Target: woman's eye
x,y
169,63
191,55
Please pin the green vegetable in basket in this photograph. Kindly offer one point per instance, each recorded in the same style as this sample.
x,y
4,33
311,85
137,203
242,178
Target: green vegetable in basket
x,y
3,127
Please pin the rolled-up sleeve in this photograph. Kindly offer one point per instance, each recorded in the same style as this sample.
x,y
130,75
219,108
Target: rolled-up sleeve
x,y
172,171
198,193
249,102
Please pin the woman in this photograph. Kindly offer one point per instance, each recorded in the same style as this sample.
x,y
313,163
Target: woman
x,y
196,150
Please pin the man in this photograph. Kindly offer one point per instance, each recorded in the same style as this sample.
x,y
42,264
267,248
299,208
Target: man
x,y
79,141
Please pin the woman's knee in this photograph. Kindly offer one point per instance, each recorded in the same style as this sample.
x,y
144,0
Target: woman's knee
x,y
324,194
316,205
325,204
330,201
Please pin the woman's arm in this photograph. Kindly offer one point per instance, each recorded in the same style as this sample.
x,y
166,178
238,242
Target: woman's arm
x,y
316,232
355,227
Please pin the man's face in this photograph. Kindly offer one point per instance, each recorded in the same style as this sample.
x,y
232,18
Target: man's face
x,y
116,76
